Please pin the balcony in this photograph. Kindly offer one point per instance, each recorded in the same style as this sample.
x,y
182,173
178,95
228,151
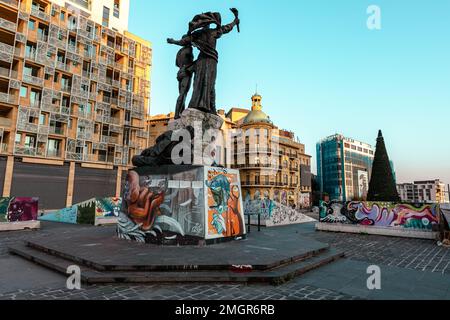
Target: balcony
x,y
50,108
4,72
42,37
62,66
8,25
31,55
3,148
33,80
11,3
36,104
54,153
66,88
41,15
5,122
109,139
73,49
6,49
8,98
28,127
24,150
56,130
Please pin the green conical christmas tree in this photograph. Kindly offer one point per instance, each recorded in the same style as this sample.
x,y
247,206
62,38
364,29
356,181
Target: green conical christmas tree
x,y
382,184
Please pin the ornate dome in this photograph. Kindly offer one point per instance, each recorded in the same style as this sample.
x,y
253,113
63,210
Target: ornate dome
x,y
255,116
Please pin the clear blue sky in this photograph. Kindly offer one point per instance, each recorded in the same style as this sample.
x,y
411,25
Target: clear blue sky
x,y
321,71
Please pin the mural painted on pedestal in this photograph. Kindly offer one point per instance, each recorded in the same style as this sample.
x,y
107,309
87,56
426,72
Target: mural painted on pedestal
x,y
384,214
163,207
18,209
224,203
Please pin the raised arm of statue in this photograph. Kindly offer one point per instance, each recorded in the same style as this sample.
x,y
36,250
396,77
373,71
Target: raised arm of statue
x,y
229,27
185,41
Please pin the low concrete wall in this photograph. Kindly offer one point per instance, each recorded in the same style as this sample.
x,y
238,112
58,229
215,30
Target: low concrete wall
x,y
15,226
382,231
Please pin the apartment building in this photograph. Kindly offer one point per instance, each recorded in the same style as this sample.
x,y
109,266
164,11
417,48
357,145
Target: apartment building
x,y
427,191
74,95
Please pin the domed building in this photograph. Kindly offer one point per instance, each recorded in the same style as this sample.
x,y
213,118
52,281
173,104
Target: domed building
x,y
272,164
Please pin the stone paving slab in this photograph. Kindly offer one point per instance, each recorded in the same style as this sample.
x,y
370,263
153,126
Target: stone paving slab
x,y
101,250
350,277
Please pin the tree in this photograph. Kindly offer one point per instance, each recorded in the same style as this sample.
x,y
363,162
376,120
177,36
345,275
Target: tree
x,y
382,184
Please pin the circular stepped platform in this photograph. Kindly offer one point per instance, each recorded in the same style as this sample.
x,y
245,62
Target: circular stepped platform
x,y
273,255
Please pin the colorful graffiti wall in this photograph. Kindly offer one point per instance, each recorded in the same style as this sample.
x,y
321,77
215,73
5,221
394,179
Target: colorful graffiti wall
x,y
86,212
385,214
273,213
18,209
182,204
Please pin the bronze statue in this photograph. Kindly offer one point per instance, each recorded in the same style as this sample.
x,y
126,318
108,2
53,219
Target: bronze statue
x,y
204,38
204,69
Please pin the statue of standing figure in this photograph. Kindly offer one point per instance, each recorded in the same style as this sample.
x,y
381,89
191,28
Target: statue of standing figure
x,y
204,38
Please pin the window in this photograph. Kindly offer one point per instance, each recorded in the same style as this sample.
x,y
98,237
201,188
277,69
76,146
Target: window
x,y
34,97
53,149
32,25
30,141
116,12
62,16
18,138
105,22
42,119
23,92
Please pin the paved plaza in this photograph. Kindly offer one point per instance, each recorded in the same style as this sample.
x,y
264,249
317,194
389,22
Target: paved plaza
x,y
410,269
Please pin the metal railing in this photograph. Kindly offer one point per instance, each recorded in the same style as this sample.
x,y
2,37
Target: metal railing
x,y
8,25
8,98
12,3
41,15
33,80
54,153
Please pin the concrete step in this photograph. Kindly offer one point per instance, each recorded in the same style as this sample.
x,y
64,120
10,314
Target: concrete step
x,y
161,264
275,276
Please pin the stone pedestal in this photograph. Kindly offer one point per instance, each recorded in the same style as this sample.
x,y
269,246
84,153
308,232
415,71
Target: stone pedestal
x,y
207,128
181,205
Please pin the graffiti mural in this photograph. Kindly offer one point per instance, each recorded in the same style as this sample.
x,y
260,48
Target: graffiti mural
x,y
18,209
86,212
363,184
182,205
224,203
273,213
284,201
381,214
304,200
108,207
